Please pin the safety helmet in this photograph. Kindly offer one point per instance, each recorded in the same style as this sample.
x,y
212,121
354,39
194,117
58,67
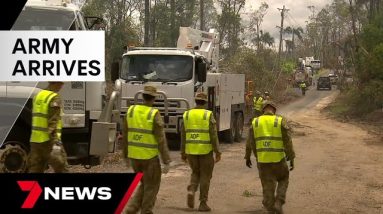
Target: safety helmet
x,y
270,103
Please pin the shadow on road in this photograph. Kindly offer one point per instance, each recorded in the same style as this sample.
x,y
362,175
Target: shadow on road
x,y
182,209
253,212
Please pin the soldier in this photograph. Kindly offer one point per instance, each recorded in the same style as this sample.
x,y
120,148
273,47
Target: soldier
x,y
258,102
303,86
143,139
266,96
46,131
270,140
198,141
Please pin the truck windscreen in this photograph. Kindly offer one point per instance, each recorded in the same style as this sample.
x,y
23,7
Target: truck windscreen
x,y
44,19
157,68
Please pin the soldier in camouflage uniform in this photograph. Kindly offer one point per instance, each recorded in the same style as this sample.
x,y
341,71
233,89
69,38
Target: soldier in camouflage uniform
x,y
270,140
143,141
199,139
257,104
46,132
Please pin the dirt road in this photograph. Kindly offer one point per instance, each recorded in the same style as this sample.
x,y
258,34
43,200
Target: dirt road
x,y
338,169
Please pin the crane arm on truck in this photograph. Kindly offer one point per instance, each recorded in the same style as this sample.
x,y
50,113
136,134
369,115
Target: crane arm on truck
x,y
204,43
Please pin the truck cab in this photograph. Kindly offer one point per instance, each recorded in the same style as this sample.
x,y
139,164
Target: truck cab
x,y
178,73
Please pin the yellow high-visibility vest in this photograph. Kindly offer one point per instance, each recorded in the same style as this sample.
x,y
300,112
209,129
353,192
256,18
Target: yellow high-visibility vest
x,y
258,103
268,138
40,110
142,143
197,124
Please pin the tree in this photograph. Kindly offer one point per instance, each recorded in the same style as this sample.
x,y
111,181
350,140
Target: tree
x,y
267,39
263,40
294,32
229,26
120,29
147,22
256,22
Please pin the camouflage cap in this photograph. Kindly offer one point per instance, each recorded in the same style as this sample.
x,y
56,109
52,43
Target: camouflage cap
x,y
150,90
271,103
201,96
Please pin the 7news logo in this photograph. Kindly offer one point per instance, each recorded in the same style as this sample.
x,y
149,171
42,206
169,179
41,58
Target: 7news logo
x,y
61,193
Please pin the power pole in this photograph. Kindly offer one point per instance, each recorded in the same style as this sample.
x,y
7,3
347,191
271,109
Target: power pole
x,y
283,10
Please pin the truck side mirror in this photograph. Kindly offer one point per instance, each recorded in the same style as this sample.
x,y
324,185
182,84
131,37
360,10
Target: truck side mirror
x,y
95,23
202,72
115,71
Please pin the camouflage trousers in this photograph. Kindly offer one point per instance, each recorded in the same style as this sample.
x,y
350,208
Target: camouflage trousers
x,y
146,193
42,155
202,171
274,176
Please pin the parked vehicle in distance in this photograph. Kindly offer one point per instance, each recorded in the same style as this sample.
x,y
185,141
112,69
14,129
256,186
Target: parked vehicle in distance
x,y
333,78
324,83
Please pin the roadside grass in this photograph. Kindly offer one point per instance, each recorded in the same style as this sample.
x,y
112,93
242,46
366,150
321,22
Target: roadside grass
x,y
248,194
289,95
341,109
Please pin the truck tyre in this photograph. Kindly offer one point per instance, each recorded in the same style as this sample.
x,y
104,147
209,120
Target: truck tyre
x,y
238,126
13,158
174,141
229,134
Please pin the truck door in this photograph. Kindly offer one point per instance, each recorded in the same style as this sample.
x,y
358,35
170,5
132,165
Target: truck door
x,y
211,96
73,101
224,104
3,88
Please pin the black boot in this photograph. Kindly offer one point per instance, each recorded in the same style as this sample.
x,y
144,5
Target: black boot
x,y
203,207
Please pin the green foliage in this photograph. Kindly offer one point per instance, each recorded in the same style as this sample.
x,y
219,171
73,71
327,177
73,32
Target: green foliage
x,y
288,66
120,30
257,66
229,26
372,35
365,99
367,95
248,194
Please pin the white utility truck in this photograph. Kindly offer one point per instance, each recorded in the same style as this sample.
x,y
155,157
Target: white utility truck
x,y
82,102
178,73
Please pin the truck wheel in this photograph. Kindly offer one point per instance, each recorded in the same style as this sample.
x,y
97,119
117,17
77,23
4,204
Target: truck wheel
x,y
13,159
174,141
229,134
238,126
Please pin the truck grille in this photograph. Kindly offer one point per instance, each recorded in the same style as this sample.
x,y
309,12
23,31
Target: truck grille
x,y
160,105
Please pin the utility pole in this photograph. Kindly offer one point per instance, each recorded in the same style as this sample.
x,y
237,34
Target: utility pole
x,y
283,10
